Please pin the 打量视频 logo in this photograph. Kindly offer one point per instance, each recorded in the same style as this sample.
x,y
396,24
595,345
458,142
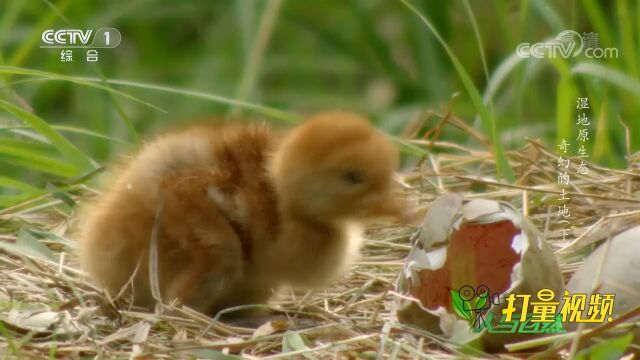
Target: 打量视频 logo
x,y
524,313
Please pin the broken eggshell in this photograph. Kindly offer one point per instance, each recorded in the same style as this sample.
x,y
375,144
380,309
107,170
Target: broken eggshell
x,y
619,275
477,243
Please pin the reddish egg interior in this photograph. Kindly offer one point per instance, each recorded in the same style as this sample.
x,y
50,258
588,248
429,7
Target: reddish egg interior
x,y
478,254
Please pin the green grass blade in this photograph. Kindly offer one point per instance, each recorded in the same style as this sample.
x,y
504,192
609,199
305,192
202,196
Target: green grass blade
x,y
565,98
500,75
550,15
565,102
609,75
66,148
119,109
41,145
483,58
597,17
6,182
72,130
602,144
408,147
627,50
27,46
264,110
8,20
251,71
488,121
7,201
37,161
620,80
380,49
90,82
261,109
245,14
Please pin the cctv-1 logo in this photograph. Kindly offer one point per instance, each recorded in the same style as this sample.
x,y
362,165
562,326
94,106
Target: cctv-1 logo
x,y
76,38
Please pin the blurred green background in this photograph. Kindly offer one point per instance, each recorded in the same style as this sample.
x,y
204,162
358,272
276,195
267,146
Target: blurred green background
x,y
394,60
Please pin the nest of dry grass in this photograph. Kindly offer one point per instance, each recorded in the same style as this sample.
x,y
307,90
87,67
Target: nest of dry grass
x,y
50,309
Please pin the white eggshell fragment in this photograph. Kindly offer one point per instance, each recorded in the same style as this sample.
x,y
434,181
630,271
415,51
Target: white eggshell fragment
x,y
613,268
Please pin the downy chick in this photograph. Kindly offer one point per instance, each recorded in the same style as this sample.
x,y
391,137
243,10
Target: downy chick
x,y
237,211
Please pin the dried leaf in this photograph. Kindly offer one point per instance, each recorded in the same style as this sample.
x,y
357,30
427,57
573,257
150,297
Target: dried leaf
x,y
28,320
180,335
607,349
270,327
213,354
27,245
292,341
55,237
126,333
141,333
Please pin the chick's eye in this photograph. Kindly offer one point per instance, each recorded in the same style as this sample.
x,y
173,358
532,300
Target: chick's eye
x,y
353,177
